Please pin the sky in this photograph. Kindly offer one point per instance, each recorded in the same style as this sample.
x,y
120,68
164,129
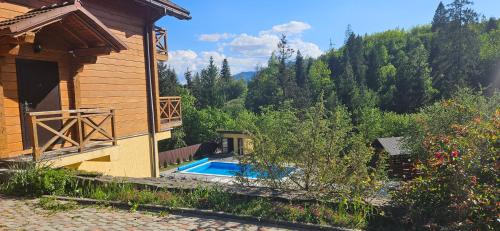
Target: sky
x,y
246,32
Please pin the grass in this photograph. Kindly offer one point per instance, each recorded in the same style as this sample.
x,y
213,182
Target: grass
x,y
50,203
45,181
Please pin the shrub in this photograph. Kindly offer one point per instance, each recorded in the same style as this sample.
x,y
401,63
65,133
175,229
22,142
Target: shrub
x,y
35,180
458,188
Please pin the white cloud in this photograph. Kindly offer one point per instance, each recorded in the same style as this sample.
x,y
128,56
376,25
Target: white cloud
x,y
290,28
253,46
214,37
306,48
244,52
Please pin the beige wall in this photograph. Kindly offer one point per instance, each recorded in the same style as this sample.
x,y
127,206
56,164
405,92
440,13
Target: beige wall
x,y
247,142
131,158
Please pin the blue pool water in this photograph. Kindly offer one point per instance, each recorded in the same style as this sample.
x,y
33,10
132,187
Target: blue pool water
x,y
227,169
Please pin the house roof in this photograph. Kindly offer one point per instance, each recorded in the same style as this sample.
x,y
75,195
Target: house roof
x,y
171,9
392,145
70,12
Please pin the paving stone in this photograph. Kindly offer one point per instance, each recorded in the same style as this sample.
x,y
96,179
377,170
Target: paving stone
x,y
24,214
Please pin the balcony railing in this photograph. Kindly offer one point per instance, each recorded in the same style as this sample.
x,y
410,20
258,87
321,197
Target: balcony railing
x,y
170,112
77,129
161,44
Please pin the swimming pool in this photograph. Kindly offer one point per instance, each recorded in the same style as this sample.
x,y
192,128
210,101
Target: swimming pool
x,y
227,169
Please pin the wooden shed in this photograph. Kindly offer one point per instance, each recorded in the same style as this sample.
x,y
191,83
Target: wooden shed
x,y
79,85
237,142
400,163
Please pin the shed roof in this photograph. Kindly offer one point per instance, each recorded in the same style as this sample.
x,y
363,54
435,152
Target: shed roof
x,y
393,145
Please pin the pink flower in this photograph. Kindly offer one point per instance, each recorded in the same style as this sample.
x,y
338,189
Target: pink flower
x,y
473,180
454,154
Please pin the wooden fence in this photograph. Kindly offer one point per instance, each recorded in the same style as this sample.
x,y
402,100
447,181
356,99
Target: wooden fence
x,y
186,153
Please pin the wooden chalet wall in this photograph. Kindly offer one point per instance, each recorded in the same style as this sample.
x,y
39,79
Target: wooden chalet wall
x,y
118,80
115,81
10,133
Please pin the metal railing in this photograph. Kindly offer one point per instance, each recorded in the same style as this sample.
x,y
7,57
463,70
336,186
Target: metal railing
x,y
170,109
81,129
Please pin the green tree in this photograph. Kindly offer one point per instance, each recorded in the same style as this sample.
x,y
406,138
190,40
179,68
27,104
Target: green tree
x,y
189,79
209,90
319,75
440,19
413,81
225,72
284,53
300,74
168,80
377,58
324,146
455,63
263,89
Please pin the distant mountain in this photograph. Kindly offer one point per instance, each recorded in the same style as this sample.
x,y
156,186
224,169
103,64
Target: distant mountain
x,y
247,75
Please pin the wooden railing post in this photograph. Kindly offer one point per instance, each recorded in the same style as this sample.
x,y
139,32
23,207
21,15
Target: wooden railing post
x,y
113,127
79,127
34,138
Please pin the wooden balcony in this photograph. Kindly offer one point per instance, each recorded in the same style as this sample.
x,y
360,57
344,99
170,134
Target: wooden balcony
x,y
161,44
170,112
70,131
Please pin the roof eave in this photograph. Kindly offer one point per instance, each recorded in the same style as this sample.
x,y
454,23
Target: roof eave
x,y
170,9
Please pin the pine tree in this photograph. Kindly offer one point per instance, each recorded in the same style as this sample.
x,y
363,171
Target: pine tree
x,y
440,18
300,74
455,65
225,72
189,79
347,87
284,53
209,90
413,81
376,59
491,25
354,49
167,80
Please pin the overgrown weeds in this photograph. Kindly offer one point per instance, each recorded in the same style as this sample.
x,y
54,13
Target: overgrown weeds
x,y
54,205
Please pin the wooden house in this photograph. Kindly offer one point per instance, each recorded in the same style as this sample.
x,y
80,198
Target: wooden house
x,y
79,85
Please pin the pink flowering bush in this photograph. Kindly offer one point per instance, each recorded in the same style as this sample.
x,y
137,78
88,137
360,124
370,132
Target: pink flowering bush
x,y
459,185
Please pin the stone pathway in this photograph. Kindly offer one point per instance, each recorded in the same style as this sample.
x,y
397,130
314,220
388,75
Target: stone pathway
x,y
25,214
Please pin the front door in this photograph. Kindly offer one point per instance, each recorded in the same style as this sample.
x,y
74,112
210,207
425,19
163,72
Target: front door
x,y
38,89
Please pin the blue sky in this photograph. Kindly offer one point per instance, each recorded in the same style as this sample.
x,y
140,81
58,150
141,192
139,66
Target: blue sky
x,y
246,31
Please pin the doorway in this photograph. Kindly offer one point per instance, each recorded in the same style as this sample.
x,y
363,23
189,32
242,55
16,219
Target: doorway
x,y
38,90
230,145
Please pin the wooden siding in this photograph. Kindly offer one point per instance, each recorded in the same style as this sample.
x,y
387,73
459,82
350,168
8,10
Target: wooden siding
x,y
3,129
118,80
10,91
115,81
